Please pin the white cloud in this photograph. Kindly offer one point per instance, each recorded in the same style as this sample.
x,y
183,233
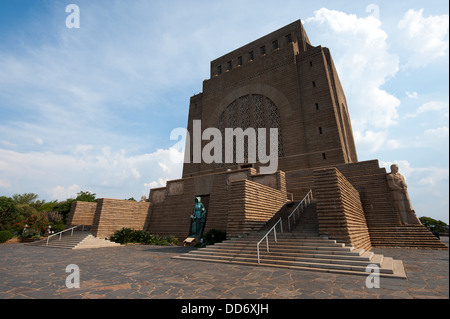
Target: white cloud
x,y
425,37
433,106
393,144
440,132
108,173
164,167
156,184
61,192
413,95
370,141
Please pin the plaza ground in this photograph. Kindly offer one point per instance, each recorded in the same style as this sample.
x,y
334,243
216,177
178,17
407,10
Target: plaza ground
x,y
138,272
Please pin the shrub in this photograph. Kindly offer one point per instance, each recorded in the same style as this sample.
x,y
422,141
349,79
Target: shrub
x,y
36,225
213,236
123,236
127,235
54,217
5,235
58,226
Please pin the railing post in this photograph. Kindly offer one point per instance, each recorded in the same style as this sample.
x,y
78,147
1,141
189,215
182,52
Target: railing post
x,y
267,243
257,249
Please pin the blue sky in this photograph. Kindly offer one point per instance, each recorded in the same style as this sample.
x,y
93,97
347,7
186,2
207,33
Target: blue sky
x,y
93,108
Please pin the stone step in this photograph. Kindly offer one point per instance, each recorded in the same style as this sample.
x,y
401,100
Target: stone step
x,y
303,263
285,247
397,272
77,241
284,241
347,251
302,248
314,258
92,242
291,242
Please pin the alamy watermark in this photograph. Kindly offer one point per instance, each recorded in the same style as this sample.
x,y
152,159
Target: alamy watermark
x,y
374,10
373,280
234,149
73,19
73,280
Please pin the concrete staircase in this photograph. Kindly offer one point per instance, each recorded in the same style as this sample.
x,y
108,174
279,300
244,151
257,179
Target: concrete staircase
x,y
79,240
301,249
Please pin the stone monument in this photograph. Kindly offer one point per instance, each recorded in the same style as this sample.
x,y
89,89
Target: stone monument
x,y
198,218
284,83
402,203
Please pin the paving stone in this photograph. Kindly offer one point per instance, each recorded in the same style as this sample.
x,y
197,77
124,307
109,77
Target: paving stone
x,y
135,272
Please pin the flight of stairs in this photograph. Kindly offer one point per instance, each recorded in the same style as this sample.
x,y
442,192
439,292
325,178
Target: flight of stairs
x,y
302,249
79,240
409,236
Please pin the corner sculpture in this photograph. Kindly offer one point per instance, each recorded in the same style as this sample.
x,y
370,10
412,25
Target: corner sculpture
x,y
399,189
198,218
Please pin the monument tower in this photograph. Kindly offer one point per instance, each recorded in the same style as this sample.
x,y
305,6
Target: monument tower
x,y
278,81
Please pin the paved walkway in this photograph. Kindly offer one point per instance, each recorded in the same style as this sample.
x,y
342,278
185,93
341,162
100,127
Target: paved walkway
x,y
136,271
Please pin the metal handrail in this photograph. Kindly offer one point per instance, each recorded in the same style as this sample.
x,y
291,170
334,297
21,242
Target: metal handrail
x,y
61,232
307,199
267,238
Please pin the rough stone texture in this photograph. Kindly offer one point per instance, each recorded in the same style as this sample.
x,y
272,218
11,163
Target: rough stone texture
x,y
251,206
81,213
112,214
339,209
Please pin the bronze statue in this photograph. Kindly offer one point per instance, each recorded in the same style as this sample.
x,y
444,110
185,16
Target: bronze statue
x,y
198,218
402,203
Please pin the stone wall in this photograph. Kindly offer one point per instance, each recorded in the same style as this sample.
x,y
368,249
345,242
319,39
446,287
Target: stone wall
x,y
81,213
251,206
367,178
113,214
339,209
241,192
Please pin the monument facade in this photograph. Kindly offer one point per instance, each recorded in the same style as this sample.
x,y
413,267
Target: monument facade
x,y
280,81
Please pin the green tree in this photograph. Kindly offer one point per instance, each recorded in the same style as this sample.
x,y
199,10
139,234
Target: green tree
x,y
25,198
43,206
9,214
64,208
86,197
434,225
